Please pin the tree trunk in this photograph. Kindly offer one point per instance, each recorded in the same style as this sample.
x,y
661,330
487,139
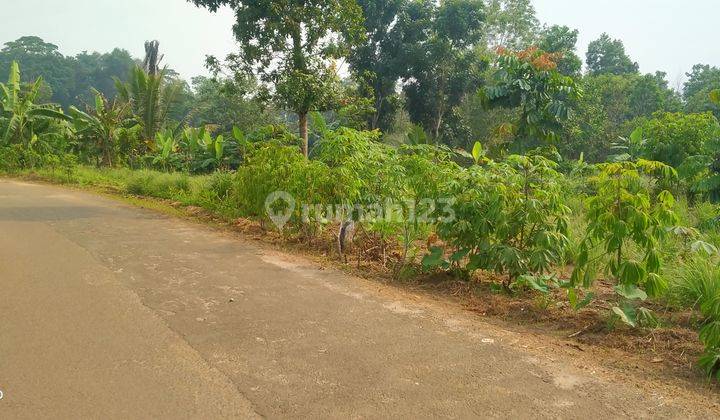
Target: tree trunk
x,y
436,129
302,126
376,115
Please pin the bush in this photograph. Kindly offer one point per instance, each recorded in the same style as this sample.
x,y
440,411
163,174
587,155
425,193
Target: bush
x,y
695,282
509,218
673,137
697,285
271,167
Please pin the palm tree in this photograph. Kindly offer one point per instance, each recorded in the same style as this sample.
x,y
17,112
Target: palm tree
x,y
152,60
150,93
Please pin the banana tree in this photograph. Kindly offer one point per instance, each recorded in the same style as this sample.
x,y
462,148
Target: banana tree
x,y
203,153
165,154
22,121
214,151
99,127
190,145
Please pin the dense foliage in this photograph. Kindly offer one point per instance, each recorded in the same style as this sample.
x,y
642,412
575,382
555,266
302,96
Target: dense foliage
x,y
465,139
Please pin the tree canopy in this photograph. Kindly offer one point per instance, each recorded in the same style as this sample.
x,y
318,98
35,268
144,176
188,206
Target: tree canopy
x,y
68,80
607,56
289,44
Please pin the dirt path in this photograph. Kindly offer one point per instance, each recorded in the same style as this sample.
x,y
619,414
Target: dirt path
x,y
111,311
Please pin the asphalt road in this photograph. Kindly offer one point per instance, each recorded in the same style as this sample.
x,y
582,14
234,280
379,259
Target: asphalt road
x,y
111,311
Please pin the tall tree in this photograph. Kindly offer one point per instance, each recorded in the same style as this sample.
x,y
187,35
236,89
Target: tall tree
x,y
702,80
97,71
607,56
443,65
290,43
151,62
611,107
40,59
562,40
511,23
66,80
377,61
227,102
150,92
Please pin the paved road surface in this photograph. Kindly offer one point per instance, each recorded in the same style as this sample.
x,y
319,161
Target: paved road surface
x,y
110,311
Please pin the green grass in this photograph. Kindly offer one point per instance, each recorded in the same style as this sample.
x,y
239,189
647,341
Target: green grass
x,y
695,282
211,192
691,278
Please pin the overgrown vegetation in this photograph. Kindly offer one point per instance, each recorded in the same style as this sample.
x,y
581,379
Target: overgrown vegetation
x,y
466,140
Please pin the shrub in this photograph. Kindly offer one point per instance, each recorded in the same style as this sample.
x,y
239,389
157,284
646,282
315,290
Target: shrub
x,y
509,218
673,137
697,285
271,167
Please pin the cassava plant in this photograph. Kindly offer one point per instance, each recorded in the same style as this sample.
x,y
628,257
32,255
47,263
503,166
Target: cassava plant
x,y
510,219
627,222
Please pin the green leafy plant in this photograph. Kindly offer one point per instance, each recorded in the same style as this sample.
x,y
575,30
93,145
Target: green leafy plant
x,y
529,80
626,224
165,153
99,128
24,122
509,218
201,151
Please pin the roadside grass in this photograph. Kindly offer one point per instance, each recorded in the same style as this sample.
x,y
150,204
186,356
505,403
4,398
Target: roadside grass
x,y
691,281
212,193
695,282
217,194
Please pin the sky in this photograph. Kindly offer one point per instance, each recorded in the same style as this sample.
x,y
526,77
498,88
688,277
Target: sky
x,y
665,35
186,33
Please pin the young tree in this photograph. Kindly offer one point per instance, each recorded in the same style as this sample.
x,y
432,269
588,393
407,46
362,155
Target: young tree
x,y
98,127
607,56
528,81
22,120
290,42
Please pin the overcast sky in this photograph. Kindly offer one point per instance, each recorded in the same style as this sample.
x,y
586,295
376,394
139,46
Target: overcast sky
x,y
667,35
